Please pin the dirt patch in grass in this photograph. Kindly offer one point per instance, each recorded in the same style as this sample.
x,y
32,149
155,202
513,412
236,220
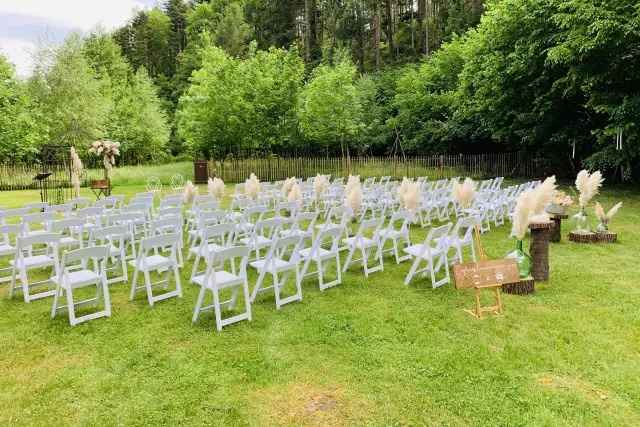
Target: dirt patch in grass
x,y
309,404
585,389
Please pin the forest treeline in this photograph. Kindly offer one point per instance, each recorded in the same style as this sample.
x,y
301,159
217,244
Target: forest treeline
x,y
554,78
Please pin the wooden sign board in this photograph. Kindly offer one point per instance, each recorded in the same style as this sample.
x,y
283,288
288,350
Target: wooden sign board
x,y
485,273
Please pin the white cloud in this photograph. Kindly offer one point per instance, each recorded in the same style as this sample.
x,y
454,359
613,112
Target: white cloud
x,y
20,53
76,14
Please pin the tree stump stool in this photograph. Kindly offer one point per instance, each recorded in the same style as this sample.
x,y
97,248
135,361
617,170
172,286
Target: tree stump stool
x,y
588,237
607,237
556,233
525,286
539,250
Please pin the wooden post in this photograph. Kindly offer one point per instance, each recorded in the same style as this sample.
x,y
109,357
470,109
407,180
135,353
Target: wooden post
x,y
556,234
539,250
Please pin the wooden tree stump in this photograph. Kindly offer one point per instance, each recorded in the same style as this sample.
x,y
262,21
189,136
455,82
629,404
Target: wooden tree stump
x,y
525,286
556,233
539,250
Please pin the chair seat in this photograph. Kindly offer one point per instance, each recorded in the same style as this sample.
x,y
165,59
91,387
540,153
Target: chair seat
x,y
257,241
275,266
34,261
114,251
362,243
153,262
417,251
391,234
295,233
78,278
206,250
223,279
7,249
320,255
68,241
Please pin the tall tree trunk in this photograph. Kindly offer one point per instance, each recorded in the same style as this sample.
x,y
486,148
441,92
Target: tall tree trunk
x,y
310,41
376,35
422,24
389,27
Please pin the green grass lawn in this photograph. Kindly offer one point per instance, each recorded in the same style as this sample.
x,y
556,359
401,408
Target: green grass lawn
x,y
371,352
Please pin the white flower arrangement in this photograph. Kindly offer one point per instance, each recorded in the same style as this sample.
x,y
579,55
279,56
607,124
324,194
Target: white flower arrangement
x,y
465,193
108,150
252,186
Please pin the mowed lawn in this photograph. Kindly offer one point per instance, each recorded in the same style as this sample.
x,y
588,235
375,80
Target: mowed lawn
x,y
369,352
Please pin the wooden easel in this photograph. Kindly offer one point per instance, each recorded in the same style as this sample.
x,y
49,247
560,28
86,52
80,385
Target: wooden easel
x,y
495,287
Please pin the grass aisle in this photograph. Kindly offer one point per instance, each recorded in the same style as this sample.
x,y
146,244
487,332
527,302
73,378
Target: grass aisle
x,y
367,352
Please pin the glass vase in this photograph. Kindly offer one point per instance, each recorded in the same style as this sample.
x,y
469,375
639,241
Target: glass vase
x,y
522,259
581,222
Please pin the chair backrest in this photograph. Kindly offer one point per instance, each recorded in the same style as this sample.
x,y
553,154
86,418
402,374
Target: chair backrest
x,y
267,227
13,213
218,259
96,254
284,248
62,209
159,242
464,226
9,233
168,224
169,211
42,218
328,239
210,217
172,201
110,234
37,206
79,202
437,237
70,226
48,239
309,217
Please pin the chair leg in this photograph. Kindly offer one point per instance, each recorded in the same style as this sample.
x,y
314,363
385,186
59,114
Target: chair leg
x,y
199,302
107,297
217,309
56,296
147,285
134,284
71,309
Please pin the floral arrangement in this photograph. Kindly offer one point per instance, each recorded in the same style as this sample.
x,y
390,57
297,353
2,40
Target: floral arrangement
x,y
605,217
189,192
522,214
216,188
402,189
320,185
76,171
288,183
252,186
561,198
588,186
353,193
411,197
109,150
295,194
464,193
541,197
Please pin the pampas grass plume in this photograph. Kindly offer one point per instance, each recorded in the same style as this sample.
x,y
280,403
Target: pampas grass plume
x,y
464,193
522,214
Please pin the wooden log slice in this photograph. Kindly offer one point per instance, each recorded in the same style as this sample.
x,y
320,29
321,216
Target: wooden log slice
x,y
525,286
583,237
607,237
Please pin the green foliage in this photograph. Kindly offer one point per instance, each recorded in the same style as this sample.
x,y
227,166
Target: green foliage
x,y
330,107
72,98
233,103
21,126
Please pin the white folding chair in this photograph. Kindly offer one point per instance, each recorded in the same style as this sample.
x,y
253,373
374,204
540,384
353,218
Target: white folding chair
x,y
216,279
324,249
304,225
461,236
25,261
433,252
69,279
150,259
367,242
262,235
114,237
397,231
8,235
37,223
214,238
281,260
169,225
71,231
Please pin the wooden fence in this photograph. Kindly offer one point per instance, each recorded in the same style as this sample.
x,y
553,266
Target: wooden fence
x,y
511,165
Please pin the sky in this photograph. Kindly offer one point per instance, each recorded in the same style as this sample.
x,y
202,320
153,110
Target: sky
x,y
25,24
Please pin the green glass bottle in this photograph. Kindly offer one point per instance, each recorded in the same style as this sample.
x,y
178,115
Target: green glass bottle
x,y
522,259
